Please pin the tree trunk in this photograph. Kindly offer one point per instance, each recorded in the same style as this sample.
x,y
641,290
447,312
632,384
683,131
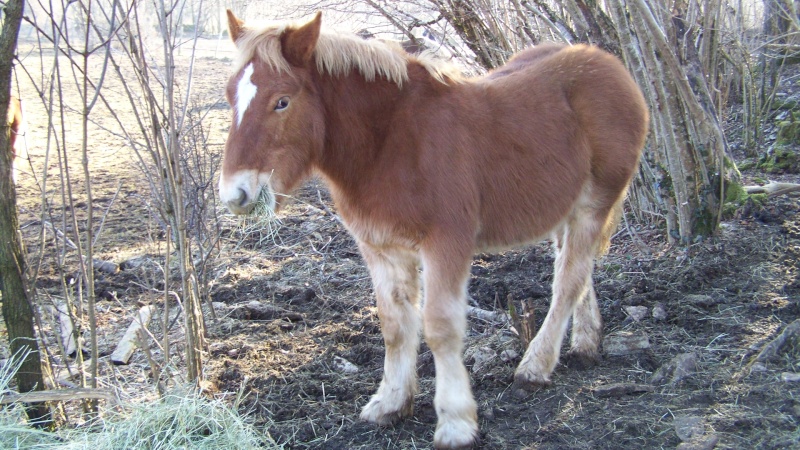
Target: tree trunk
x,y
17,309
474,25
592,24
688,164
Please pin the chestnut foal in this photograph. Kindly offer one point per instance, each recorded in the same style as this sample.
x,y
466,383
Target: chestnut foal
x,y
427,168
15,123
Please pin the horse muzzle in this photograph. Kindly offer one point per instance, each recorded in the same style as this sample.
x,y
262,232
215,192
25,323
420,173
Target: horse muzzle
x,y
245,198
240,191
241,203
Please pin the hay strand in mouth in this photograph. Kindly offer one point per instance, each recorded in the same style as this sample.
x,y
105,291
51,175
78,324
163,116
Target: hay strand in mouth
x,y
260,225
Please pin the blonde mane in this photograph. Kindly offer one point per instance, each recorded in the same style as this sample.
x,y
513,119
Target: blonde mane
x,y
338,53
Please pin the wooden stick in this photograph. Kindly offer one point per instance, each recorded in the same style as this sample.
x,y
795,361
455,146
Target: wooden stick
x,y
773,188
60,395
773,348
165,322
67,331
122,354
489,316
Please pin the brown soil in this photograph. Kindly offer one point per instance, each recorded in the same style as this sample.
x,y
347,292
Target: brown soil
x,y
724,298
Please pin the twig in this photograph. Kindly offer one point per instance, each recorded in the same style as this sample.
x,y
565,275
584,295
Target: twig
x,y
488,316
773,347
773,188
60,395
105,214
165,323
635,237
154,367
58,233
325,207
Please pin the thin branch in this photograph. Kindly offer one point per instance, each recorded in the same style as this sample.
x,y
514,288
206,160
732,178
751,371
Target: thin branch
x,y
773,188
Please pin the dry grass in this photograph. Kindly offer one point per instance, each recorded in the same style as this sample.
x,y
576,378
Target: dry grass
x,y
181,419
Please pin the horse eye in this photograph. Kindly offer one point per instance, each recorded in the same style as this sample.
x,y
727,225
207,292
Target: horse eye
x,y
282,104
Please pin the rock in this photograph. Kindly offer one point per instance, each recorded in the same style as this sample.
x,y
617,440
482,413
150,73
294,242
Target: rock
x,y
509,355
637,313
699,443
207,387
305,296
700,300
217,348
689,427
659,312
343,365
677,370
255,310
620,389
279,326
108,267
790,377
758,367
481,358
219,306
135,262
625,343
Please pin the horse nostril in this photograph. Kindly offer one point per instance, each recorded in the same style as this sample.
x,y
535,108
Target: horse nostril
x,y
242,199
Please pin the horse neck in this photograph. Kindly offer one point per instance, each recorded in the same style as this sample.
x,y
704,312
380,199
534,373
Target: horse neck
x,y
359,115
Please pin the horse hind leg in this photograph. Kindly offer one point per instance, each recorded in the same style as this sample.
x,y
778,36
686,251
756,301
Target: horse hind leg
x,y
587,331
396,284
573,295
587,323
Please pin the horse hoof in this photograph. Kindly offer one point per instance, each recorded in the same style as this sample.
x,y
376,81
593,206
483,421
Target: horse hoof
x,y
581,360
525,384
457,434
380,413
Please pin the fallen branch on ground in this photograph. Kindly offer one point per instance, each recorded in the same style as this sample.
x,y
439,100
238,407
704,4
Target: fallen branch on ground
x,y
60,395
122,354
773,188
772,350
489,316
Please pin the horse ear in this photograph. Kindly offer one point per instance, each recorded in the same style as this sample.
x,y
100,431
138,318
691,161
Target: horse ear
x,y
235,26
298,44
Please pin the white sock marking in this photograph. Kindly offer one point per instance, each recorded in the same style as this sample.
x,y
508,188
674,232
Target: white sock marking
x,y
245,93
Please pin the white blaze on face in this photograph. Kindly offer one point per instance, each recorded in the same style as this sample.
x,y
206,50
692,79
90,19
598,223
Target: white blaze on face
x,y
245,93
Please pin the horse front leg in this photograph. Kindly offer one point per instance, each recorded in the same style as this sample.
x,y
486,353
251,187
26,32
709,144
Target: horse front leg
x,y
445,323
396,283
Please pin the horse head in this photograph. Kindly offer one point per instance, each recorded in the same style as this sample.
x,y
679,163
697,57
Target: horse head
x,y
277,124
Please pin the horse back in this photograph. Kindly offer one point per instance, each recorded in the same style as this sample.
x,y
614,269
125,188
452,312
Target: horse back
x,y
500,160
568,126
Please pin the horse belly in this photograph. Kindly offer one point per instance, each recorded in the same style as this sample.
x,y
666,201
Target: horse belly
x,y
513,225
524,209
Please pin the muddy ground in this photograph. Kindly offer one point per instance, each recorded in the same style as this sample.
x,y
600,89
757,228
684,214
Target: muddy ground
x,y
717,303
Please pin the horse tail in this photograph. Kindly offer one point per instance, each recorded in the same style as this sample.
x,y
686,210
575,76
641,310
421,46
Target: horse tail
x,y
610,226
